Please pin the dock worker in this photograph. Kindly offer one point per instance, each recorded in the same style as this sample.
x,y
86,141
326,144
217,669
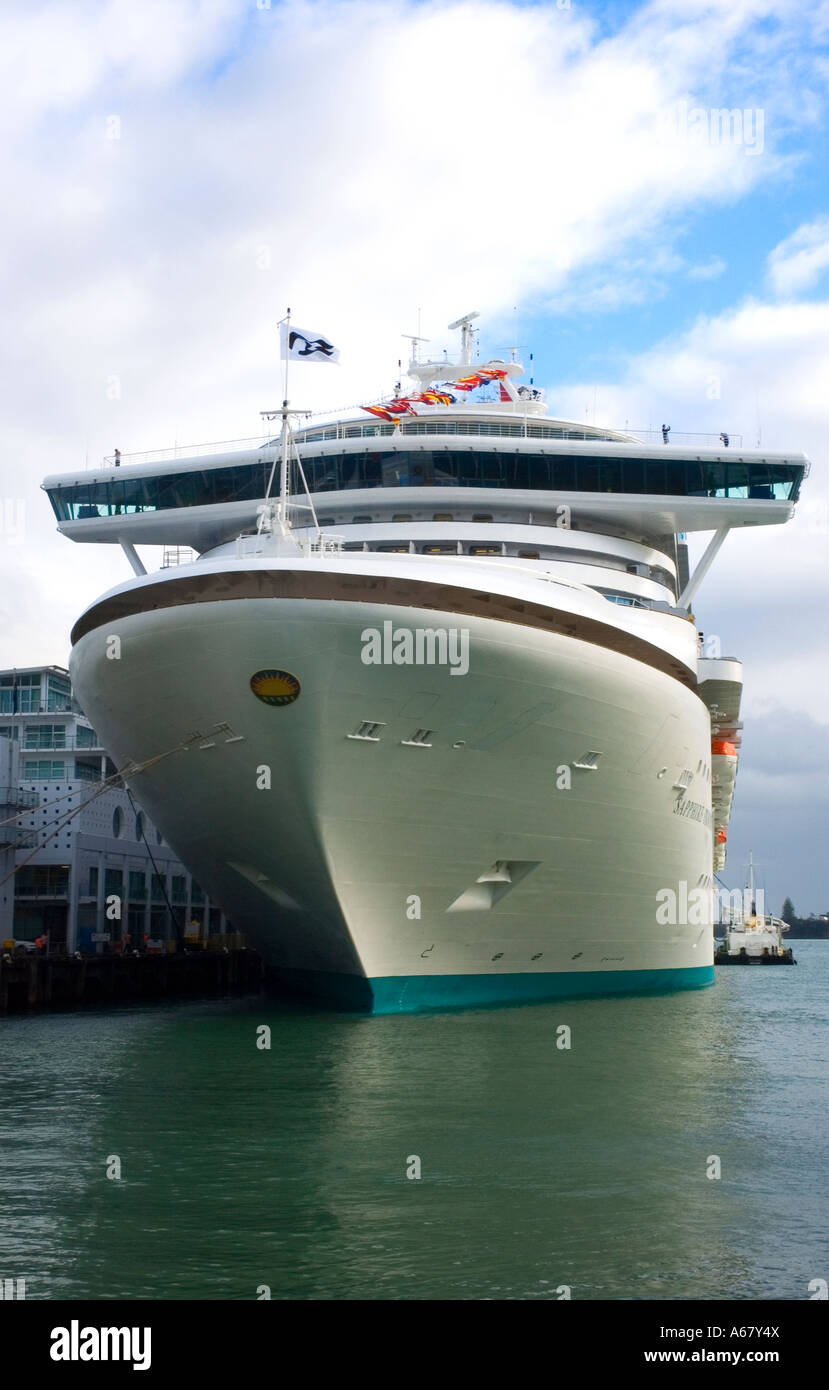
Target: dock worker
x,y
724,438
666,430
117,458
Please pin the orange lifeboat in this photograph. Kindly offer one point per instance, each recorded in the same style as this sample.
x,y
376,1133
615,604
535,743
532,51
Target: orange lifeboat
x,y
729,750
721,837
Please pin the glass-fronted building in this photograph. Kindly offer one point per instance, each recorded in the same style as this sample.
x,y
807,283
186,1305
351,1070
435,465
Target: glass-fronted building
x,y
91,870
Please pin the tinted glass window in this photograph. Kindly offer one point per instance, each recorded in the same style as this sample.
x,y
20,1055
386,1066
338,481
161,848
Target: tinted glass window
x,y
427,468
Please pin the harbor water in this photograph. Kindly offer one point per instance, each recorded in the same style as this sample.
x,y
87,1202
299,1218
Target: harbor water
x,y
247,1170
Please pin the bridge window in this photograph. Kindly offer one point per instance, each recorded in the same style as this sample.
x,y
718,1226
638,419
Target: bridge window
x,y
760,480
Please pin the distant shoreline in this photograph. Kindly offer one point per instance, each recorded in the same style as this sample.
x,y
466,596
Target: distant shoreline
x,y
806,928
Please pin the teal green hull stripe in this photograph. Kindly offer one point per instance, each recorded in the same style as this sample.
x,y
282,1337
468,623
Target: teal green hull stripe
x,y
394,994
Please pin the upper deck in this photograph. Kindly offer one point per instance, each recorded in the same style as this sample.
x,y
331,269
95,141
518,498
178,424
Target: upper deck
x,y
450,444
451,457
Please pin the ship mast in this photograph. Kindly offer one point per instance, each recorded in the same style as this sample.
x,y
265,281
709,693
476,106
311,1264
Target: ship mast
x,y
752,895
268,513
284,471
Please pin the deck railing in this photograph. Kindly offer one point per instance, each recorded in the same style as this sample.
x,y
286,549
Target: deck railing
x,y
531,428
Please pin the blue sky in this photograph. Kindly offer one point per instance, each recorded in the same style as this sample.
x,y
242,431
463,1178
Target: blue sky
x,y
180,170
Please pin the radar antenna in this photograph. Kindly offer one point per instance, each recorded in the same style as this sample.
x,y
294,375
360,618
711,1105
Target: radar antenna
x,y
466,335
414,340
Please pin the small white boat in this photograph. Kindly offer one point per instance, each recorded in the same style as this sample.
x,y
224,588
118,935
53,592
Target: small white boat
x,y
752,937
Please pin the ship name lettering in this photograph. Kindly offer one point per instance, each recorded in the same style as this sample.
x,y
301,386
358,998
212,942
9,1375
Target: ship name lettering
x,y
693,810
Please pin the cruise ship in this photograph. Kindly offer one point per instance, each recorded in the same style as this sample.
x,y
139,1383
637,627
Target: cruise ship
x,y
432,719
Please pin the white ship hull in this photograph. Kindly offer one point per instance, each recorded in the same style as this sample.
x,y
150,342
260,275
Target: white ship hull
x,y
342,872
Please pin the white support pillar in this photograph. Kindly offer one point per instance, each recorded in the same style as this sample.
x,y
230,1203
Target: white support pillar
x,y
132,555
707,560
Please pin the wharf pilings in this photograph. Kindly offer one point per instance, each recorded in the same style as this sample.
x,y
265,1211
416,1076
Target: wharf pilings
x,y
33,982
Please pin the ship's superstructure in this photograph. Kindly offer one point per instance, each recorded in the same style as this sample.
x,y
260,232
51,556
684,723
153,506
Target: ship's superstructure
x,y
457,723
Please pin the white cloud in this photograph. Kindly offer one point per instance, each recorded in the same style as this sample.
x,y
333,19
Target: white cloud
x,y
797,263
707,270
55,57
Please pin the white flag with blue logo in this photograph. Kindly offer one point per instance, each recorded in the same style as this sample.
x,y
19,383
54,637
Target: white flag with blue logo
x,y
300,345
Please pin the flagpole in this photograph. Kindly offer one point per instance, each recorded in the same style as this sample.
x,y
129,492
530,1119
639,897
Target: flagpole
x,y
283,475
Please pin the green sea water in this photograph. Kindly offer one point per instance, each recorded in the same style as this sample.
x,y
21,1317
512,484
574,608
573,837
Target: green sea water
x,y
540,1167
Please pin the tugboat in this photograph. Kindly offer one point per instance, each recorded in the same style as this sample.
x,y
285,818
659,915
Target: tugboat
x,y
752,937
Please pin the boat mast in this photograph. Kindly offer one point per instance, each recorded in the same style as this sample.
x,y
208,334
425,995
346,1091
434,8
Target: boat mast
x,y
752,895
284,476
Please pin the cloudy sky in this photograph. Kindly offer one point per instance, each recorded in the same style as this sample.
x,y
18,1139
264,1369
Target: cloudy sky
x,y
635,193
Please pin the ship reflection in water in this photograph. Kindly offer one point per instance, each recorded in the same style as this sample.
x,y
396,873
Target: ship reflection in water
x,y
541,1167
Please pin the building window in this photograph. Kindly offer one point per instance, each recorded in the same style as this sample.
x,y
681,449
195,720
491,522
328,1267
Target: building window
x,y
117,822
87,772
92,890
45,736
138,886
159,838
179,893
113,883
85,738
196,894
135,924
159,923
29,694
158,888
42,881
44,770
58,693
139,826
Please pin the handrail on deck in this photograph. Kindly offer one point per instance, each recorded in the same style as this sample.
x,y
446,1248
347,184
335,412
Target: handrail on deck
x,y
365,429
